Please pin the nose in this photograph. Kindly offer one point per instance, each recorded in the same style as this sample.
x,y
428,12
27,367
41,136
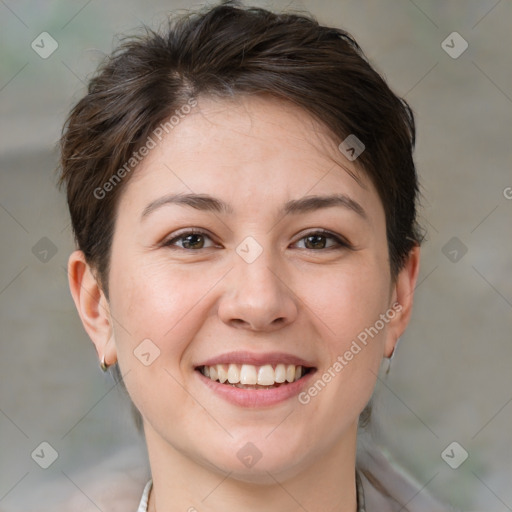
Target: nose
x,y
257,296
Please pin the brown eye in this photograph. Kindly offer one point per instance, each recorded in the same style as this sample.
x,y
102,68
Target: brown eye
x,y
193,241
190,240
322,240
315,242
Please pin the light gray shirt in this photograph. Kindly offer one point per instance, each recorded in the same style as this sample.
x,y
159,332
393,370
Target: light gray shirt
x,y
371,497
143,505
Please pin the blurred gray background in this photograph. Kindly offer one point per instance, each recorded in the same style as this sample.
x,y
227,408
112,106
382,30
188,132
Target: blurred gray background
x,y
451,379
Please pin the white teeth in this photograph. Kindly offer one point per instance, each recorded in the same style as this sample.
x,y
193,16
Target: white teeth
x,y
250,375
280,373
222,373
233,373
266,375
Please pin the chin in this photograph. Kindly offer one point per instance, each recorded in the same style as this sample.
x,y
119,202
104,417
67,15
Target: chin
x,y
261,464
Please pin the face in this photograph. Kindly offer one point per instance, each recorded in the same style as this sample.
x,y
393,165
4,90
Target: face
x,y
274,273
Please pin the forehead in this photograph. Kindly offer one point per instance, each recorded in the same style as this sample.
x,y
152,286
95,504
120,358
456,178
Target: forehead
x,y
243,150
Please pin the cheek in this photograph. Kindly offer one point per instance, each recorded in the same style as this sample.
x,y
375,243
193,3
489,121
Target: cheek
x,y
348,306
348,302
164,303
157,312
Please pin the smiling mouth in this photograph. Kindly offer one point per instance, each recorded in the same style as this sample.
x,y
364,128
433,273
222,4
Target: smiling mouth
x,y
248,376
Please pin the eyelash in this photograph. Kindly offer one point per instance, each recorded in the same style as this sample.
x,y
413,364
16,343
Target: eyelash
x,y
340,241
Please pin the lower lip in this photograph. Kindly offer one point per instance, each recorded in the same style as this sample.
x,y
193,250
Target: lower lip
x,y
257,397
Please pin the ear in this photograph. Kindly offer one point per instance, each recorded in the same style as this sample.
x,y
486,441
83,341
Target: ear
x,y
92,306
402,294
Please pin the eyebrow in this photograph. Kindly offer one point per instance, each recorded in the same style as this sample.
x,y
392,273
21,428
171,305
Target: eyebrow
x,y
205,202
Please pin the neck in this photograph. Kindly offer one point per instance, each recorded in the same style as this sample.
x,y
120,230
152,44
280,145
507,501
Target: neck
x,y
181,483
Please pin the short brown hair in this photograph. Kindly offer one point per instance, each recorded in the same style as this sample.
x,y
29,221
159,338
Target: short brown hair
x,y
230,50
223,51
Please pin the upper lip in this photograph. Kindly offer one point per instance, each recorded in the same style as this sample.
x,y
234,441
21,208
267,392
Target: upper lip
x,y
256,359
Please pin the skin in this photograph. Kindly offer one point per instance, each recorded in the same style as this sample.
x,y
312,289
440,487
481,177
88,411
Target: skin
x,y
297,297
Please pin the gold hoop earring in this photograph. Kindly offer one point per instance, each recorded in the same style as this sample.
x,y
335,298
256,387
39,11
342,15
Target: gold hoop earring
x,y
104,366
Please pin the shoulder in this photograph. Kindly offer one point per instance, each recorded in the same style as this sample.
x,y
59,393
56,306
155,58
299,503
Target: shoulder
x,y
116,484
388,489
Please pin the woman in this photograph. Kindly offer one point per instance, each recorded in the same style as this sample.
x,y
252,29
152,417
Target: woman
x,y
242,193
